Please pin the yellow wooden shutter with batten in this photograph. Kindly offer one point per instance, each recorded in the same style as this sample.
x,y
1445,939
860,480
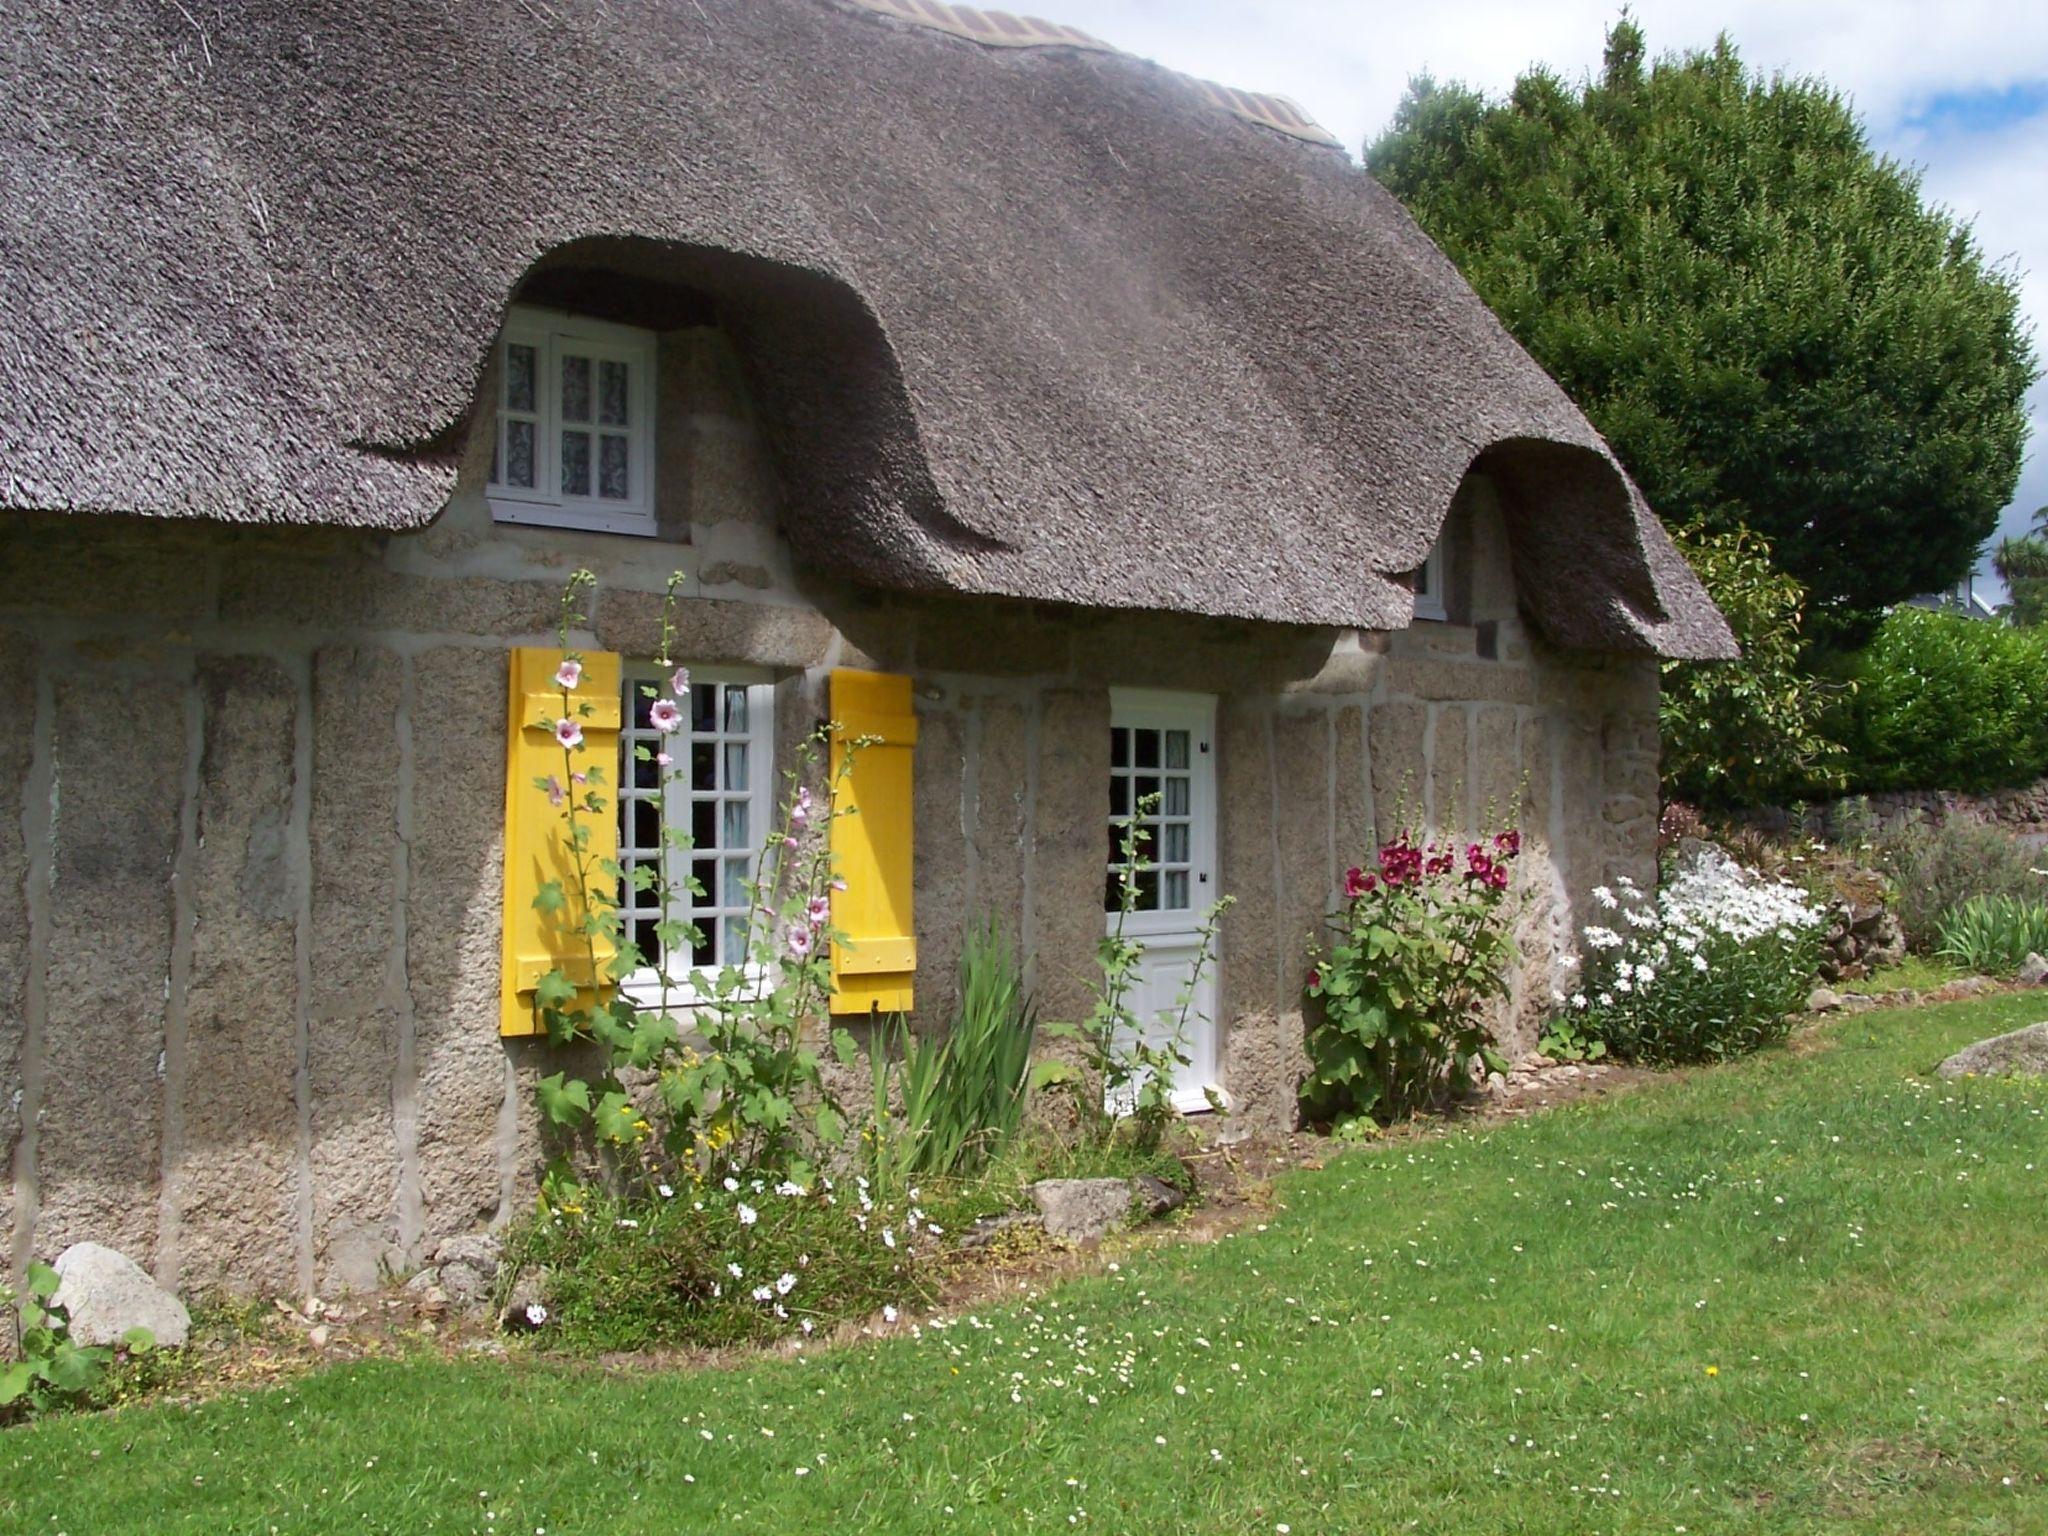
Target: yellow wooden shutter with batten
x,y
537,845
872,849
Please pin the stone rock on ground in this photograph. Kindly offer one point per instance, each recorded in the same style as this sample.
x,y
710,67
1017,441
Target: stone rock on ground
x,y
479,1250
107,1293
1823,1000
1956,991
2034,973
1082,1210
2024,1053
1157,1196
526,1310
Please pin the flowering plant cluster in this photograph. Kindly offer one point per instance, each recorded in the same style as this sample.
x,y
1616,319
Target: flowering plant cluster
x,y
1714,966
1421,946
748,1094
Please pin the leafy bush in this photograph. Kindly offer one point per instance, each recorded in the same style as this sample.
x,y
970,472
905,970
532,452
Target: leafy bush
x,y
1993,935
959,1099
1421,947
1743,732
1714,967
728,1263
1936,868
1946,702
51,1370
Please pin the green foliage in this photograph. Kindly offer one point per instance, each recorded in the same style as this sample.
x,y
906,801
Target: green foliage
x,y
2022,563
50,1370
1738,733
1420,948
948,1104
1947,702
1993,935
1937,867
1124,1086
1763,317
711,1266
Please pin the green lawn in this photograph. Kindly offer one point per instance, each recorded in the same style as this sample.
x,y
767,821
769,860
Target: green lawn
x,y
1806,1293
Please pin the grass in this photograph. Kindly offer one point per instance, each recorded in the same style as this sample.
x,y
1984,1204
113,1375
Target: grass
x,y
1804,1293
1917,973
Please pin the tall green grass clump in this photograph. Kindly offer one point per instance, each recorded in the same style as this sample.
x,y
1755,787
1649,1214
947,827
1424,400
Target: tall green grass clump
x,y
1993,935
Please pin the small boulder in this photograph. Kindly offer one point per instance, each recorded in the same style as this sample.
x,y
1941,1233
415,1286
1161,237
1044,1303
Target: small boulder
x,y
479,1250
1956,991
1823,1000
1156,1197
2034,972
526,1310
2023,1053
467,1286
1082,1210
106,1293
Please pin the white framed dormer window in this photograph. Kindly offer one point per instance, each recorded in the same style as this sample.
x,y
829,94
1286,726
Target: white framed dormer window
x,y
1429,586
721,797
575,424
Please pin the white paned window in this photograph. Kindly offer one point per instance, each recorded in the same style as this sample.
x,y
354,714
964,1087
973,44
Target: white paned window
x,y
575,429
1429,586
1151,777
718,795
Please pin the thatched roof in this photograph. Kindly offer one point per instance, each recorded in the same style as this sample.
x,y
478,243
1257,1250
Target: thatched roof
x,y
1035,321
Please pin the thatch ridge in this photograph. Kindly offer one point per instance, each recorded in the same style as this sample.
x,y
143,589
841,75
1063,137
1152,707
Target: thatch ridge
x,y
1036,322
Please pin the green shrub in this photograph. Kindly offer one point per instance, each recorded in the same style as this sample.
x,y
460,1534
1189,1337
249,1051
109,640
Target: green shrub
x,y
1421,947
50,1369
1945,702
1993,935
708,1267
1747,731
1716,966
1936,868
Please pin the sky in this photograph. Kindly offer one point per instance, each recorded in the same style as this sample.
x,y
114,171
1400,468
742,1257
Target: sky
x,y
1957,90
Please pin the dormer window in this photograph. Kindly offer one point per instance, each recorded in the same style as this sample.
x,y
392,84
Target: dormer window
x,y
575,424
1429,586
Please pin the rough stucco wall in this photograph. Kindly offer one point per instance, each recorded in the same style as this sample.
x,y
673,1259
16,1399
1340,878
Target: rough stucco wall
x,y
249,969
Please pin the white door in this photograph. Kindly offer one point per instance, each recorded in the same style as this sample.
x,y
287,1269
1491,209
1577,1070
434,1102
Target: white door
x,y
1162,770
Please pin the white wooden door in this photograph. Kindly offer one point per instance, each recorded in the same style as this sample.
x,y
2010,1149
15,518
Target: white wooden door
x,y
1163,771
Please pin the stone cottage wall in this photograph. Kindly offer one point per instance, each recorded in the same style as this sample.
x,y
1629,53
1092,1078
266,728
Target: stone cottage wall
x,y
251,805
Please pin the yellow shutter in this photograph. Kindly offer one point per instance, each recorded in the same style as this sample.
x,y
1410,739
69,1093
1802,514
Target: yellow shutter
x,y
873,969
537,845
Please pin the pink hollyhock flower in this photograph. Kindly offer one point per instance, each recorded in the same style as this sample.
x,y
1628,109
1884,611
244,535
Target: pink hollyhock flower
x,y
789,845
820,910
1358,883
680,683
799,942
556,794
1498,878
662,760
1315,982
1509,843
579,778
569,733
663,715
838,883
569,673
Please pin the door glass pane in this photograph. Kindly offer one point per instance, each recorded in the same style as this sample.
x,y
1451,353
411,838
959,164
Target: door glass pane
x,y
646,824
575,463
735,765
1119,797
1176,749
1176,850
1146,789
1148,890
1176,893
703,765
1147,744
735,941
519,372
735,834
704,823
611,405
1119,748
705,873
735,894
575,388
703,707
735,711
1176,800
646,771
